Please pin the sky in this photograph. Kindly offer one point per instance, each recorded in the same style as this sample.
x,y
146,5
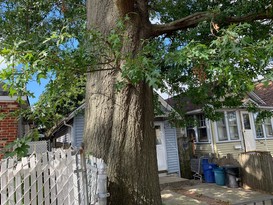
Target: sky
x,y
33,86
37,89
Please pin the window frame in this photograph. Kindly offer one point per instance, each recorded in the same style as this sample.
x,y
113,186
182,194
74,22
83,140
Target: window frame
x,y
227,126
264,128
196,127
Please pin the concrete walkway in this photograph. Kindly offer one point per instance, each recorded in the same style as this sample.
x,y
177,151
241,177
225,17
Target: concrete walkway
x,y
172,198
171,195
173,181
223,193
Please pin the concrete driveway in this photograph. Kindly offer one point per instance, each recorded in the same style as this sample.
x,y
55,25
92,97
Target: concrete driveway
x,y
196,193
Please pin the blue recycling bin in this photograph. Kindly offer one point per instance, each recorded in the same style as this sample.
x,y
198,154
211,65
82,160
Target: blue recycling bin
x,y
208,172
219,174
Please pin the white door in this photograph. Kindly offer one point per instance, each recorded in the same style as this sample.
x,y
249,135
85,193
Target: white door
x,y
160,148
247,128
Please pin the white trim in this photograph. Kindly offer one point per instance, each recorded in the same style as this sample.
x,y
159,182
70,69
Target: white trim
x,y
252,128
270,108
194,111
257,98
228,141
227,128
265,136
202,142
165,104
195,128
163,138
13,98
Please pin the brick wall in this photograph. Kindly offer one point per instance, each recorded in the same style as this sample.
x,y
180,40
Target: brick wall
x,y
9,125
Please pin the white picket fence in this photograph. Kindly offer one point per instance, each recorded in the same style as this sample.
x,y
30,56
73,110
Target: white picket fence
x,y
56,178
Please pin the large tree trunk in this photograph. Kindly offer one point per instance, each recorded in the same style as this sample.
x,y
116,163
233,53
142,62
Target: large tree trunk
x,y
119,125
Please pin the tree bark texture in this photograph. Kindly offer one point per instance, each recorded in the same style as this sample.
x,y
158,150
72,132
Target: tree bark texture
x,y
119,125
185,151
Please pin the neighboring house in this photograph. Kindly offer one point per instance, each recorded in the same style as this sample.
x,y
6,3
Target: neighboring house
x,y
11,126
238,131
70,132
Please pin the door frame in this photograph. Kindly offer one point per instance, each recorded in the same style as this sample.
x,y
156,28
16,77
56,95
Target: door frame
x,y
161,124
252,128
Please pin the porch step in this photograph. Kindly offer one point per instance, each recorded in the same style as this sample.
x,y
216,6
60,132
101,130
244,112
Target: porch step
x,y
172,181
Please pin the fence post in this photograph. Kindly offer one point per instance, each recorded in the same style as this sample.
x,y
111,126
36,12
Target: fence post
x,y
84,176
102,183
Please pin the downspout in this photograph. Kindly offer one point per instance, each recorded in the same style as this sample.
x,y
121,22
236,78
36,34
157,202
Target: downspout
x,y
71,127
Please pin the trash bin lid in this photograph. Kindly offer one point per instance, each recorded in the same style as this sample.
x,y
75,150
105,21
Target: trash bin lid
x,y
230,166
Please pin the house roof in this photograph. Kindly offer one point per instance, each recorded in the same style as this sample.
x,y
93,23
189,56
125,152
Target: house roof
x,y
4,96
264,92
165,107
66,121
185,102
262,95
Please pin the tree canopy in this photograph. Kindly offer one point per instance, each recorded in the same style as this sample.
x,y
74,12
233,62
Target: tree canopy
x,y
216,47
210,50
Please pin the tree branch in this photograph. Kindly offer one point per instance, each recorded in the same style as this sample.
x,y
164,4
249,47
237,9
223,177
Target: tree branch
x,y
181,24
143,10
248,18
193,20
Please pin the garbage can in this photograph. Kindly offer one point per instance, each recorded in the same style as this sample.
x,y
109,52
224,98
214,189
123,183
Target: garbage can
x,y
232,176
208,172
219,174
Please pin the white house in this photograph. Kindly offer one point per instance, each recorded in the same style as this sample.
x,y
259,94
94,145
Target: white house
x,y
69,132
238,131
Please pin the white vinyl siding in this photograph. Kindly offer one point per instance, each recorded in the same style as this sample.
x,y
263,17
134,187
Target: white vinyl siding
x,y
78,127
171,149
223,149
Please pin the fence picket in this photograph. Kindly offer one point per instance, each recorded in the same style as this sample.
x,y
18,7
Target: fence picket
x,y
52,178
39,172
32,170
53,192
11,182
18,183
92,181
26,180
58,171
69,180
76,192
46,178
4,182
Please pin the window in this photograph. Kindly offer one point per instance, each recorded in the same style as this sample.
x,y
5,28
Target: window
x,y
232,124
263,128
246,121
191,133
158,135
258,127
227,127
268,127
198,131
202,128
222,129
